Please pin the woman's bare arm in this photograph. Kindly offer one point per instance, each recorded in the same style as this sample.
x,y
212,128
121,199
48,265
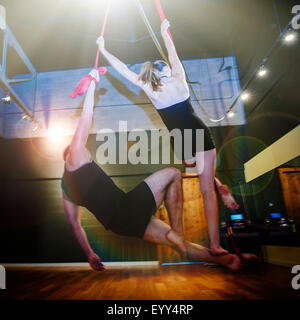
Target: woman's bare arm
x,y
177,68
117,64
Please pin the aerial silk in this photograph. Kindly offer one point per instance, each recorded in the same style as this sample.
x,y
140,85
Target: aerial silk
x,y
85,82
162,15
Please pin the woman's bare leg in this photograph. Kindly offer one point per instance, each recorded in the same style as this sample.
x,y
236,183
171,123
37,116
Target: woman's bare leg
x,y
226,195
206,168
223,190
166,184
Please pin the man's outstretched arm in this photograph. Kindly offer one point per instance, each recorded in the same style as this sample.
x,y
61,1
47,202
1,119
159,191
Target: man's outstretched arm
x,y
85,121
74,218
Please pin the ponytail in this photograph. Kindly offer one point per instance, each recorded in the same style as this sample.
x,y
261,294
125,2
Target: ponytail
x,y
149,74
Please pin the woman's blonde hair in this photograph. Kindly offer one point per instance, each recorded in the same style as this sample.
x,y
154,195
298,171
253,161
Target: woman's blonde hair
x,y
150,74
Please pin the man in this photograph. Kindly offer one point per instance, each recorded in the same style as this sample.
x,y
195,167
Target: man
x,y
85,184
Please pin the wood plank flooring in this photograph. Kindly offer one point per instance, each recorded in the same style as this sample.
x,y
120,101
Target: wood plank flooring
x,y
176,282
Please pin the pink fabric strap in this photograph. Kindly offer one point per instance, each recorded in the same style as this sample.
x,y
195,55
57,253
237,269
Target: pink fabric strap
x,y
91,78
162,15
102,31
85,82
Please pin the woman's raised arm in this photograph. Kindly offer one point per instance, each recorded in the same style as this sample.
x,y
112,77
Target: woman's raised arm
x,y
117,64
177,68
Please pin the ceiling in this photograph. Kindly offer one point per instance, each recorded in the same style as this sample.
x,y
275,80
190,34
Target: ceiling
x,y
61,34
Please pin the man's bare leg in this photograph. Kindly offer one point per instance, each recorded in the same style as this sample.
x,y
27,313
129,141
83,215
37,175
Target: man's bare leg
x,y
174,205
166,184
157,230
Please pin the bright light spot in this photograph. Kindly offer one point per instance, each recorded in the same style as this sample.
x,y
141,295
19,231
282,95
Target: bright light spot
x,y
55,133
6,100
262,71
230,114
57,140
289,37
245,96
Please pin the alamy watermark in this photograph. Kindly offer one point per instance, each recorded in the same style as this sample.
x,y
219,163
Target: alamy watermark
x,y
138,147
2,278
296,279
296,18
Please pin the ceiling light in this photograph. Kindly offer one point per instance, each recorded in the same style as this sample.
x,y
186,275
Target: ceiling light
x,y
245,96
262,71
6,100
230,114
289,37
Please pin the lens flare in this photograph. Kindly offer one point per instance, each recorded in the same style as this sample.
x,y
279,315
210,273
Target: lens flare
x,y
232,156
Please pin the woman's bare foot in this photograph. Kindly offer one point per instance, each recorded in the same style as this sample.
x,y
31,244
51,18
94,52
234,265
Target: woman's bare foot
x,y
217,251
179,241
227,197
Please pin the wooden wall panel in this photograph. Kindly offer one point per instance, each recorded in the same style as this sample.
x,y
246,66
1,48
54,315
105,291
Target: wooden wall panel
x,y
194,222
290,182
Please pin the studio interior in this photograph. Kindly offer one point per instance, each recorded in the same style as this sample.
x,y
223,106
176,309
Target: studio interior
x,y
237,65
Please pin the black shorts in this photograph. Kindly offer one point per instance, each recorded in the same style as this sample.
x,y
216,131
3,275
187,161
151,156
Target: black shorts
x,y
182,116
134,212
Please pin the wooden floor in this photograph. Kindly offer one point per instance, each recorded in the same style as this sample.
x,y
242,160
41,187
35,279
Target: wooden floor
x,y
176,282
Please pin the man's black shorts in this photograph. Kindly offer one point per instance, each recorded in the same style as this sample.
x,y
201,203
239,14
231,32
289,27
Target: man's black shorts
x,y
134,212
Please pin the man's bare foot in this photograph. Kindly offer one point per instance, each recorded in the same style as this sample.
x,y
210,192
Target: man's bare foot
x,y
247,257
178,240
217,251
189,163
232,262
199,253
227,197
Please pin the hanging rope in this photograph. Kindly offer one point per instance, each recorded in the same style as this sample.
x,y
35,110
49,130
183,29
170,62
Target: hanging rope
x,y
150,30
85,82
162,15
102,32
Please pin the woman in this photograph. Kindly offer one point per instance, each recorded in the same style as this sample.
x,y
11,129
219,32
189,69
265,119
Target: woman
x,y
167,88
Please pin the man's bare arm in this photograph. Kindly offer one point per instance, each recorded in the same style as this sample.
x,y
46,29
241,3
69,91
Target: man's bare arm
x,y
74,218
85,121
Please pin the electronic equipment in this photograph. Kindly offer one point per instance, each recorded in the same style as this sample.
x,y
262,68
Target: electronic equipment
x,y
276,219
246,239
237,221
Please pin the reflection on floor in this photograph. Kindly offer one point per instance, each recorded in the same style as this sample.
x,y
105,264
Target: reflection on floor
x,y
188,282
